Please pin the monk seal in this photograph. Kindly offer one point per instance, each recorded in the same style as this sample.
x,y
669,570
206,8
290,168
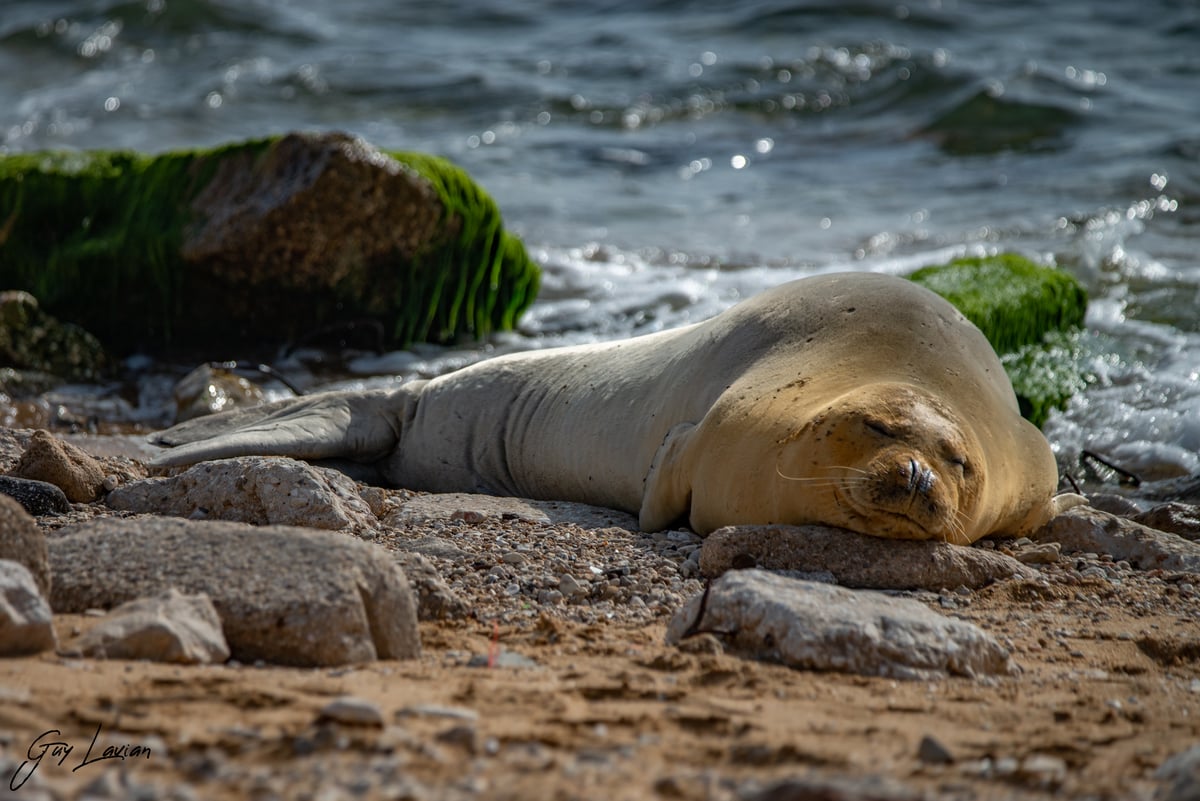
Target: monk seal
x,y
854,400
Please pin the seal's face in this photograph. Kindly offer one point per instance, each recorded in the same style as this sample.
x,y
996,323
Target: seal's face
x,y
890,461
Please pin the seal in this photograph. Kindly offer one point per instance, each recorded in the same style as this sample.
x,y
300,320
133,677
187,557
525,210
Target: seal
x,y
854,400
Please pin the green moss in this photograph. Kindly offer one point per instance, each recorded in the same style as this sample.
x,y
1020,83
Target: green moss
x,y
96,237
1014,301
1029,313
478,277
1046,374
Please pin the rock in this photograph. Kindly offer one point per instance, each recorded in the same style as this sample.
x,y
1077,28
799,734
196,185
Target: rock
x,y
265,241
816,626
1090,530
1174,517
49,459
932,752
470,507
834,788
285,595
25,618
1043,553
855,560
1113,504
352,711
22,541
435,599
37,497
170,627
262,490
208,390
1180,777
32,339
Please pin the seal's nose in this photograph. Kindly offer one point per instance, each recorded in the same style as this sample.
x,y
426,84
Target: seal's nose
x,y
920,477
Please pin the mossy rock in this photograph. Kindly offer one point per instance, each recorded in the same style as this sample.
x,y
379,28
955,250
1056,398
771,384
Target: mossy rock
x,y
1031,314
259,243
41,348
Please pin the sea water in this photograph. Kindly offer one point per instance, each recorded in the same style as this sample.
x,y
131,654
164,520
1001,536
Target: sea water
x,y
663,159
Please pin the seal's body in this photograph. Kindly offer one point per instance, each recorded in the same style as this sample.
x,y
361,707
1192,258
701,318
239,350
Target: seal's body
x,y
854,400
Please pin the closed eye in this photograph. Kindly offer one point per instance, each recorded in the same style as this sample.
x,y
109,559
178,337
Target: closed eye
x,y
879,428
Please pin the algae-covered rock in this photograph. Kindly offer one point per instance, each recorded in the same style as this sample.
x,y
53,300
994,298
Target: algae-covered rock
x,y
1031,314
262,241
32,340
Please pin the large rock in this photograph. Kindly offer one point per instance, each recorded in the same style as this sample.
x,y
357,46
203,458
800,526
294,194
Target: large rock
x,y
22,541
258,242
285,595
855,560
1086,529
171,627
25,618
262,490
49,459
816,626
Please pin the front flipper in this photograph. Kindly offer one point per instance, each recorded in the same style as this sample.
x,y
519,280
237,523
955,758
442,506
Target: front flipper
x,y
358,426
667,490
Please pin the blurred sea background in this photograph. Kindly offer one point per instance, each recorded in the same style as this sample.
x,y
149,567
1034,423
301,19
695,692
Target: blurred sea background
x,y
664,158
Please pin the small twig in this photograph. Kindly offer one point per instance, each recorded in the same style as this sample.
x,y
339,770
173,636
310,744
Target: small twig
x,y
1074,485
1127,478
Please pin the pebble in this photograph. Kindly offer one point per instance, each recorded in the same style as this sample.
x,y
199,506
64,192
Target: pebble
x,y
438,711
932,752
352,711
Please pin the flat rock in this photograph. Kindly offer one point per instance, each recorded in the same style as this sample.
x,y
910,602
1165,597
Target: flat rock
x,y
1090,530
285,595
22,541
49,459
855,560
262,490
25,618
472,508
171,627
36,497
816,626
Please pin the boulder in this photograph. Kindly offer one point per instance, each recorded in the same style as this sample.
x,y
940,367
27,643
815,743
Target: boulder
x,y
171,627
816,626
261,490
266,241
286,596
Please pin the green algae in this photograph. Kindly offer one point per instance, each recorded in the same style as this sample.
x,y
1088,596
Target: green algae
x,y
1031,315
96,236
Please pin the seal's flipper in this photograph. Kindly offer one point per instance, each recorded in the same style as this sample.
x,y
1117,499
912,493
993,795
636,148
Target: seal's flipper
x,y
358,426
667,492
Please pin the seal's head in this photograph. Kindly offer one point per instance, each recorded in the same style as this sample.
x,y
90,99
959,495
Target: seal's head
x,y
888,460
